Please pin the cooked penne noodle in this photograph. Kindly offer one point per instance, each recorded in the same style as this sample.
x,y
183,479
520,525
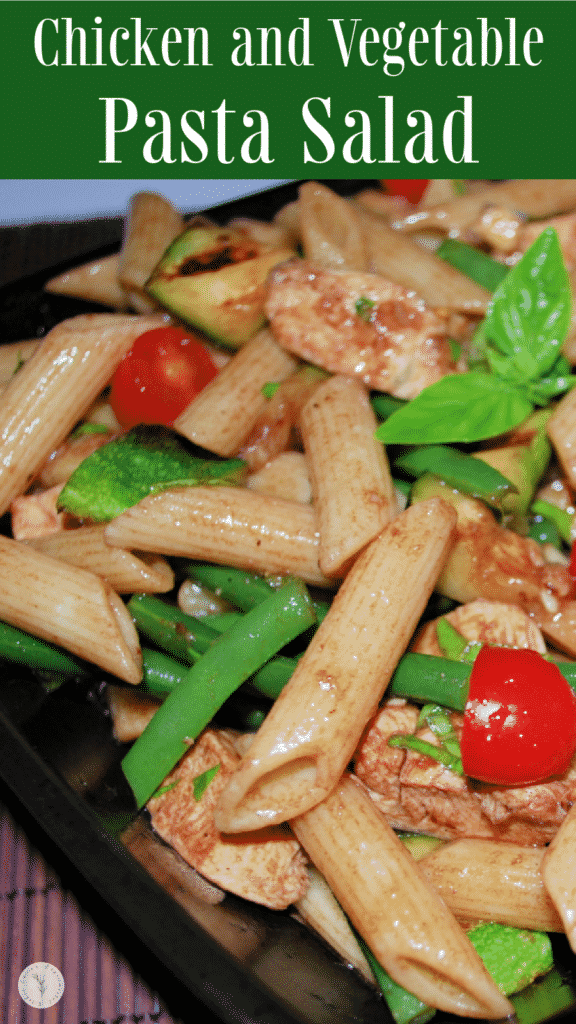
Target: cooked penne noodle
x,y
153,224
68,606
483,880
331,229
227,525
286,476
126,572
130,710
311,731
404,922
320,909
403,261
222,415
559,874
275,429
96,281
351,482
76,360
13,356
532,197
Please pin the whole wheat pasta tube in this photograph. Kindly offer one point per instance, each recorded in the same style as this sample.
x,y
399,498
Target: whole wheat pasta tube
x,y
95,281
559,874
13,355
404,922
533,197
312,730
483,880
403,261
126,572
228,525
70,607
55,387
152,225
351,482
331,228
225,411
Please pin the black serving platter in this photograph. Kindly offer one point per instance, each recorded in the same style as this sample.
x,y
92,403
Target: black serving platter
x,y
60,776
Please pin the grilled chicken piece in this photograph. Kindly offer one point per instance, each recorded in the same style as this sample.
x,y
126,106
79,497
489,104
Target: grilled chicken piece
x,y
489,622
131,711
267,866
360,325
36,515
417,793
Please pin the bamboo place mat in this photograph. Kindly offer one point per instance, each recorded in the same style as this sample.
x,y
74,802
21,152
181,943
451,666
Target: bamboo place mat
x,y
41,921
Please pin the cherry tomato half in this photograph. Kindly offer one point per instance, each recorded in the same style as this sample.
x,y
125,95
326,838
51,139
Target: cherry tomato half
x,y
163,371
520,719
411,189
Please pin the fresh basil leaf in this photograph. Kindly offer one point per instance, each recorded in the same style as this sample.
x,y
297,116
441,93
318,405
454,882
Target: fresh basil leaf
x,y
461,408
548,387
141,462
529,315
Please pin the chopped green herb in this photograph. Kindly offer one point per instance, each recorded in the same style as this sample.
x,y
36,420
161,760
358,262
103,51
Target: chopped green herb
x,y
453,644
165,789
201,782
270,388
363,307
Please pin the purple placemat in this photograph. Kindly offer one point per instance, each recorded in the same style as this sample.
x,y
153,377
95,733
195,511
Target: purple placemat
x,y
40,922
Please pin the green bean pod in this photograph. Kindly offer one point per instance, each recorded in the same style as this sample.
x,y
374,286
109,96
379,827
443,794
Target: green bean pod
x,y
228,663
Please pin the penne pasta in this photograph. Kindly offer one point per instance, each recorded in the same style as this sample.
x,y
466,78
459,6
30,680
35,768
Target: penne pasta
x,y
228,525
532,197
95,281
125,571
13,356
320,909
222,415
351,482
559,875
68,606
404,922
152,225
76,359
330,228
403,261
286,476
310,733
562,433
484,880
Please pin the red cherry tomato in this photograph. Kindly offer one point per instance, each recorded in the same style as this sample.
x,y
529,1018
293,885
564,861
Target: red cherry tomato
x,y
411,189
163,371
520,719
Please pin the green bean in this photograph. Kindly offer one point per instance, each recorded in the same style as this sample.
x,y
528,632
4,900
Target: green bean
x,y
426,678
221,621
243,589
544,531
24,649
160,674
229,662
272,677
170,628
469,475
474,264
563,520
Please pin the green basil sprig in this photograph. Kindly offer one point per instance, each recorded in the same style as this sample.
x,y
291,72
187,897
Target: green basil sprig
x,y
521,340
